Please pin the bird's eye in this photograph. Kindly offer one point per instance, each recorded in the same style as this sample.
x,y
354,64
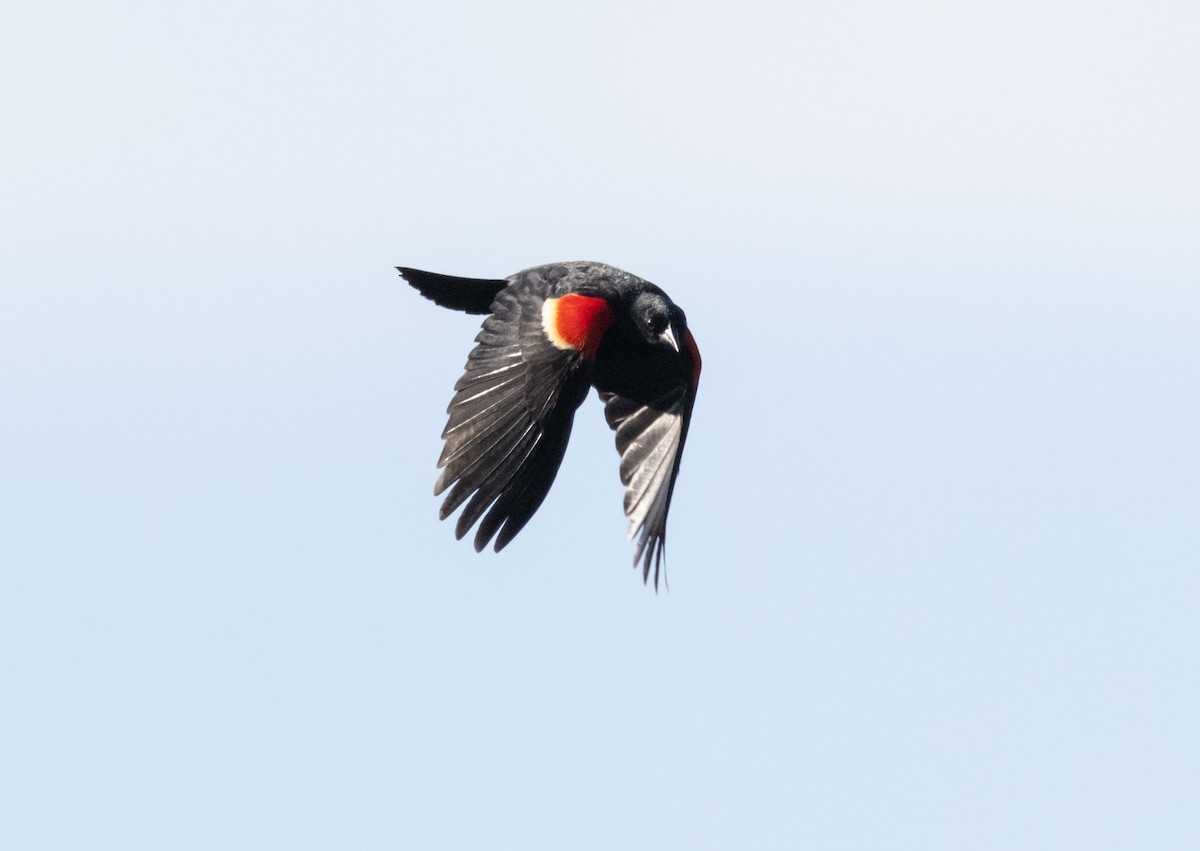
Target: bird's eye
x,y
658,323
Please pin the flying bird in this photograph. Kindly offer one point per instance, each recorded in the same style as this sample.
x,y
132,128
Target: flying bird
x,y
552,332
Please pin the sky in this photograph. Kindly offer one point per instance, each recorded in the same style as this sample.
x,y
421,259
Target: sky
x,y
933,553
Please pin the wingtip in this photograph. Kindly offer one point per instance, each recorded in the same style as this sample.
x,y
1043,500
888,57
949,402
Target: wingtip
x,y
651,555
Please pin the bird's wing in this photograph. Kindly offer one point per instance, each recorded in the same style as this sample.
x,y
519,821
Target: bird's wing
x,y
509,420
650,438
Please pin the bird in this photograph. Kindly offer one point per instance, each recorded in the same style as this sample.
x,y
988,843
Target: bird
x,y
550,334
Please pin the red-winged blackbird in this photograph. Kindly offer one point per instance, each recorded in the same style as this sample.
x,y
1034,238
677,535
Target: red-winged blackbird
x,y
551,332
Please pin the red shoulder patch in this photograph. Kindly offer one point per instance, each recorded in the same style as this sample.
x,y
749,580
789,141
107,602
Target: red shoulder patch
x,y
695,352
576,322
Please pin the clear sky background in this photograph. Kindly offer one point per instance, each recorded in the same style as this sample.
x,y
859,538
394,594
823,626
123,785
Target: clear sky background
x,y
934,559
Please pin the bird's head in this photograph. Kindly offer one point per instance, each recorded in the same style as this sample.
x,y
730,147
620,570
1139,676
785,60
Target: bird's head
x,y
659,321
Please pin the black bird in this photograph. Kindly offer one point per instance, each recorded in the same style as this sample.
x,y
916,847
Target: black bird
x,y
551,332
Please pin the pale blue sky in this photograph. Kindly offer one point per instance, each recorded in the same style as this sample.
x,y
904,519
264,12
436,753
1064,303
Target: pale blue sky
x,y
934,559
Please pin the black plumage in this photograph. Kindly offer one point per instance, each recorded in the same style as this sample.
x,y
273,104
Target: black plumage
x,y
550,333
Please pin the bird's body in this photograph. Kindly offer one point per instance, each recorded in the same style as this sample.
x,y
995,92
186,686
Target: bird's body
x,y
552,332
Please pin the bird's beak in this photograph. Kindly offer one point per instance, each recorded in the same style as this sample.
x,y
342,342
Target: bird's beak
x,y
668,337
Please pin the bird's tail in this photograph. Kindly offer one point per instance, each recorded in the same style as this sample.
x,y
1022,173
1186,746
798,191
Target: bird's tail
x,y
470,295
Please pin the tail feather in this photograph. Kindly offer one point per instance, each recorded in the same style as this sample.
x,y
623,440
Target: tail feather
x,y
470,295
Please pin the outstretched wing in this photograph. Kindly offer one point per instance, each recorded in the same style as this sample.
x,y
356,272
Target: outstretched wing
x,y
650,437
509,421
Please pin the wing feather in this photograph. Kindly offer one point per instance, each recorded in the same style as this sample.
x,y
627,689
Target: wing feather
x,y
650,438
508,422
